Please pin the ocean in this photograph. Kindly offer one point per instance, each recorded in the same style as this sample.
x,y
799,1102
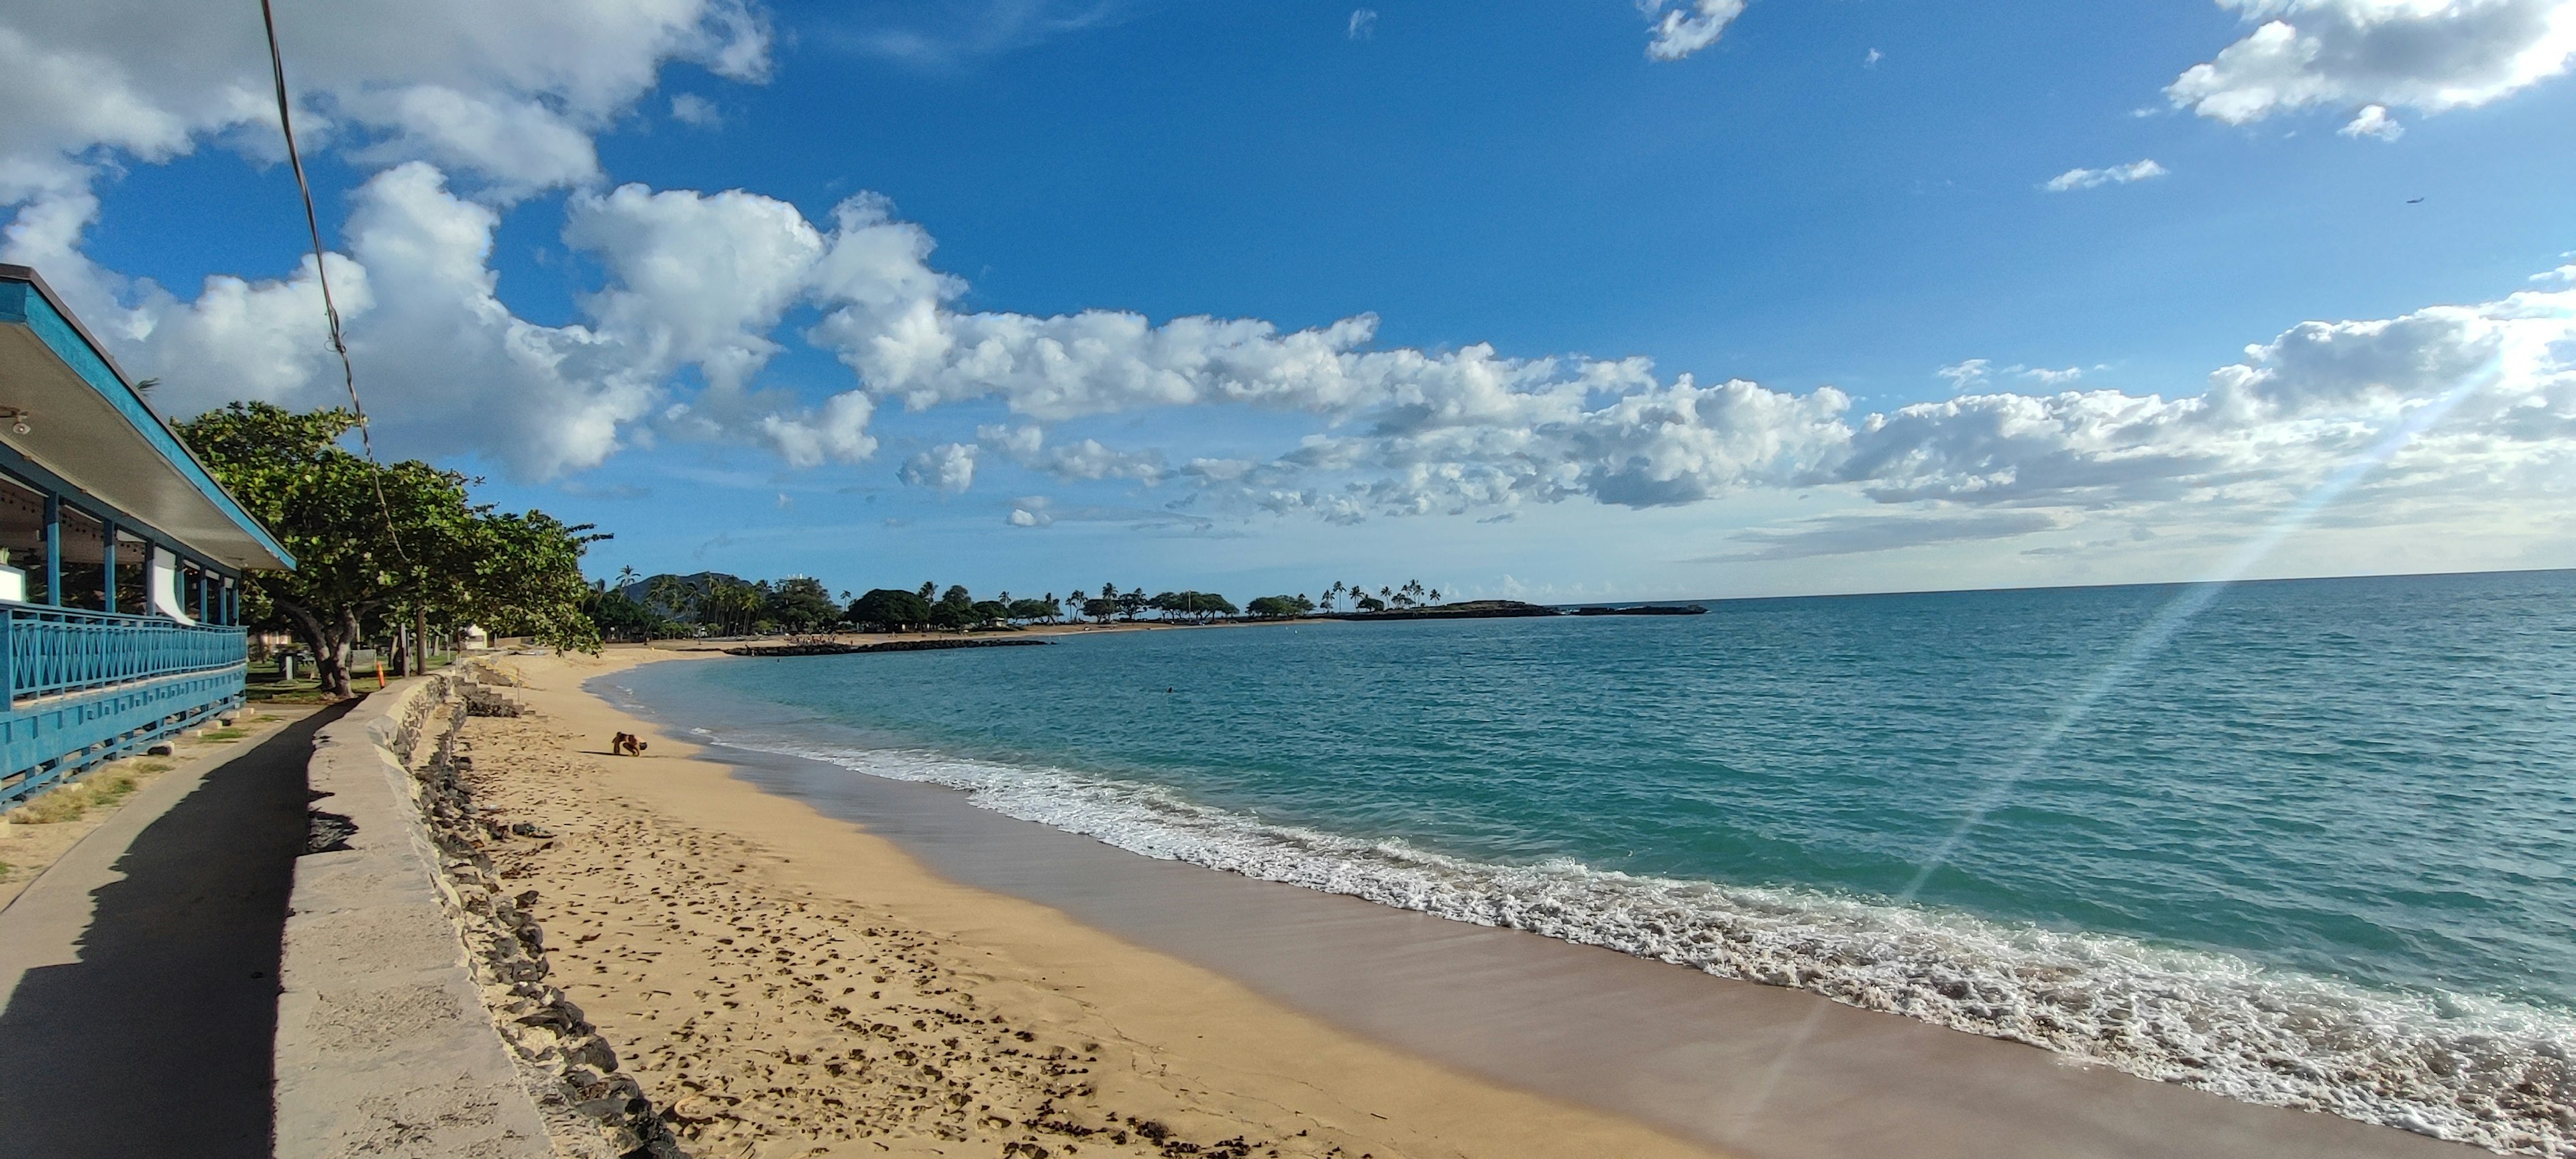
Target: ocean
x,y
2305,843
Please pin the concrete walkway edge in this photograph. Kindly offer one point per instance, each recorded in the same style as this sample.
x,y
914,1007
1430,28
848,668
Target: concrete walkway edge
x,y
384,1046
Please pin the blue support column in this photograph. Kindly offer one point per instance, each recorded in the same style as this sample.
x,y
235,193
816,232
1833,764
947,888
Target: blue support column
x,y
107,565
54,550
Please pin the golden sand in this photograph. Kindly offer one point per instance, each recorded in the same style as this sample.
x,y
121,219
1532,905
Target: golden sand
x,y
787,984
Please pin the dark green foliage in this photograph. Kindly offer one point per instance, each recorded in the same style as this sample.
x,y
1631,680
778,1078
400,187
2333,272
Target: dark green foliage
x,y
1280,607
889,610
443,556
620,617
1192,605
801,604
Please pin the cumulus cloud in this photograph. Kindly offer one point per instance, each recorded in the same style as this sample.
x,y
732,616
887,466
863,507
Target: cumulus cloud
x,y
694,278
2426,55
508,92
1690,26
1030,511
462,106
948,467
694,290
1084,459
2373,121
2074,179
692,109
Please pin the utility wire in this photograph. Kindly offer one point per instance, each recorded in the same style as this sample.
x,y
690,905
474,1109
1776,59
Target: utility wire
x,y
322,276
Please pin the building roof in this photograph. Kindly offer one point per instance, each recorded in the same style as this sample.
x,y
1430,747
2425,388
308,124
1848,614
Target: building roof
x,y
91,428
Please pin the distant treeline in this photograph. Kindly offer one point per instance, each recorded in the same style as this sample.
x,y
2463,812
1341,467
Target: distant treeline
x,y
713,603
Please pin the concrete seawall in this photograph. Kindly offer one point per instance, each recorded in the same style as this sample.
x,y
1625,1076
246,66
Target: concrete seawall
x,y
414,1017
383,1043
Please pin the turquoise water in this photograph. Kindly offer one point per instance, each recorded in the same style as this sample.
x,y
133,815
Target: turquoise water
x,y
2316,847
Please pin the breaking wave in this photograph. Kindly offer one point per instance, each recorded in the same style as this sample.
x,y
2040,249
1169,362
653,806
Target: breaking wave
x,y
2469,1069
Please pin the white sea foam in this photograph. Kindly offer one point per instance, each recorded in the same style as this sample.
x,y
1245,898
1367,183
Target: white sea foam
x,y
2470,1069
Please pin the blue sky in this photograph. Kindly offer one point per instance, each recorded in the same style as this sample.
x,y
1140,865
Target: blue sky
x,y
1835,202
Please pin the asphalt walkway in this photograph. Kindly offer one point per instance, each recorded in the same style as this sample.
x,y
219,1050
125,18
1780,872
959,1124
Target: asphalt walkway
x,y
139,973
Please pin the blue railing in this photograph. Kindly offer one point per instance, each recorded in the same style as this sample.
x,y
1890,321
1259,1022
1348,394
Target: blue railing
x,y
52,651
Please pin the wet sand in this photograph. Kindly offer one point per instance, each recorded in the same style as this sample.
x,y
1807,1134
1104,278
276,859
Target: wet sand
x,y
1750,1069
788,984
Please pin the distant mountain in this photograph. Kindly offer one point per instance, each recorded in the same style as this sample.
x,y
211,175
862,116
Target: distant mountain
x,y
696,582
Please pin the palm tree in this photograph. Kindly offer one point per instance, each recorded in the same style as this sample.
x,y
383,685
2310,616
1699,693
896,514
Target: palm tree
x,y
1435,595
625,576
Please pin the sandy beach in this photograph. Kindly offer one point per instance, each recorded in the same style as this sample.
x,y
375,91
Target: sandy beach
x,y
787,984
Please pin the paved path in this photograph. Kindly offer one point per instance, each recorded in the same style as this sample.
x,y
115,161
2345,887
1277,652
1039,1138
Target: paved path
x,y
138,976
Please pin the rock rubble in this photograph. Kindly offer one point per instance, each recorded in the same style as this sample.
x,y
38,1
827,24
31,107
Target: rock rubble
x,y
592,1109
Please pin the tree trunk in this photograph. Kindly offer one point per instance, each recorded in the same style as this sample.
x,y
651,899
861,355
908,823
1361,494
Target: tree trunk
x,y
328,642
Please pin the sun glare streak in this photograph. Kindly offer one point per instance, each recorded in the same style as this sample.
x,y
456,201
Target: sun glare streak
x,y
2142,645
2187,605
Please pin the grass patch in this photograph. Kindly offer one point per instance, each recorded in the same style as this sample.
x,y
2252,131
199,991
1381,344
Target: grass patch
x,y
223,734
70,802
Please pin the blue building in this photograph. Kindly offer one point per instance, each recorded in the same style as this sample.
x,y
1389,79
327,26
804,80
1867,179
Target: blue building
x,y
121,558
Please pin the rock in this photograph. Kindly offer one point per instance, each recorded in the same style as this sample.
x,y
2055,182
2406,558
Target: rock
x,y
530,829
162,749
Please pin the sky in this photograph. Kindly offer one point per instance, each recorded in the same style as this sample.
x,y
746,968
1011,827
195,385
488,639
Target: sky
x,y
1597,299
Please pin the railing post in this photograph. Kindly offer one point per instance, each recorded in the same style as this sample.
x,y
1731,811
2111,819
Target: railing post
x,y
107,565
53,549
8,659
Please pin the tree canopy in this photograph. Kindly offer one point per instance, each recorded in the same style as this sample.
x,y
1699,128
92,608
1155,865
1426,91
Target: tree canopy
x,y
425,548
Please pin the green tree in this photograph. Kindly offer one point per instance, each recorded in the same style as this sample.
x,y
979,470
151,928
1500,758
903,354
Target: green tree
x,y
424,549
620,617
889,610
1280,607
670,596
801,604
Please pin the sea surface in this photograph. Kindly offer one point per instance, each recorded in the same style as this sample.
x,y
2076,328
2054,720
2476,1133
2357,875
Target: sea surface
x,y
2307,843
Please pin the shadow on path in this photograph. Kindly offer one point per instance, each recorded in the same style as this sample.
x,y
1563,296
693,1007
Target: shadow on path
x,y
158,1041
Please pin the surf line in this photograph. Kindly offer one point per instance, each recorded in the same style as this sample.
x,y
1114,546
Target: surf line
x,y
2142,645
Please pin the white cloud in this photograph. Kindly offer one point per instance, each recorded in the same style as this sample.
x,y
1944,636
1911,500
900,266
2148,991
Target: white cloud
x,y
1029,512
692,109
1975,374
1877,531
2373,121
1871,61
1086,459
1691,25
1363,23
837,431
503,95
2115,175
698,285
2426,55
694,278
1966,375
506,91
947,467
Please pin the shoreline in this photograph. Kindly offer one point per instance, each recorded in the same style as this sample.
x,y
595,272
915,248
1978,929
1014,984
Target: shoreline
x,y
1602,1027
701,923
